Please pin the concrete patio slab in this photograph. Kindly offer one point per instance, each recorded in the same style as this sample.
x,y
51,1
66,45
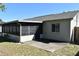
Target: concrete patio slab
x,y
53,46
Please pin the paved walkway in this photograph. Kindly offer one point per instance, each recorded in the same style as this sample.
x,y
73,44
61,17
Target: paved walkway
x,y
47,46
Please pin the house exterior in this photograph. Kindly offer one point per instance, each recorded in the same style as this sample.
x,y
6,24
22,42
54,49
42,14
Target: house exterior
x,y
58,27
0,27
22,31
1,22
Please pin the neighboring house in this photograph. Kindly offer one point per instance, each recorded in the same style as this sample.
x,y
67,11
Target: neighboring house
x,y
58,27
1,22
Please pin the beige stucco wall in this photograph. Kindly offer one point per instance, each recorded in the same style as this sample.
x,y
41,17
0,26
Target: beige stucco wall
x,y
63,35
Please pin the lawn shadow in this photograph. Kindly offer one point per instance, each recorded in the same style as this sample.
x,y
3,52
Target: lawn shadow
x,y
5,39
76,43
77,54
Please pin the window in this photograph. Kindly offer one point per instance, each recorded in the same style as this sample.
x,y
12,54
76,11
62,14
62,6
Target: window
x,y
55,27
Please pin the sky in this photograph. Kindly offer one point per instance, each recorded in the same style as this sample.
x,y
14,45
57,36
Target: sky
x,y
20,11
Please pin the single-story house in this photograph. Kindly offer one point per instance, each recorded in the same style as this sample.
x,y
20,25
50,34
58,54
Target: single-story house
x,y
58,27
1,22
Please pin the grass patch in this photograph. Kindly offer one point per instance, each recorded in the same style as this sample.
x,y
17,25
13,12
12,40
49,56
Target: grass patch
x,y
8,48
69,50
21,50
14,49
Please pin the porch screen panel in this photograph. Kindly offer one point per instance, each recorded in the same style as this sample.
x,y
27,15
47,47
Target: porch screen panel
x,y
25,30
29,30
33,29
18,30
3,29
6,29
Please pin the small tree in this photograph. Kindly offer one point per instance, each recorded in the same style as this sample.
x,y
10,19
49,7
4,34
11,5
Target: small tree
x,y
2,7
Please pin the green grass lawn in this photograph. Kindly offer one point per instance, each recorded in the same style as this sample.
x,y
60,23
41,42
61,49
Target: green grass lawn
x,y
69,50
7,48
15,49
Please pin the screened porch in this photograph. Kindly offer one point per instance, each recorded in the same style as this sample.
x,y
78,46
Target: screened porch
x,y
23,29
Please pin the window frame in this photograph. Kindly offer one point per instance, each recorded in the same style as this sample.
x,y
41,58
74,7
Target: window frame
x,y
56,27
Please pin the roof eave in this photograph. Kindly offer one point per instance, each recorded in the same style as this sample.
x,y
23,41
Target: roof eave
x,y
58,19
29,21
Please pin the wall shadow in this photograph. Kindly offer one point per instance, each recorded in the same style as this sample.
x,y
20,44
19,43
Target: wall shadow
x,y
77,54
75,36
37,35
49,41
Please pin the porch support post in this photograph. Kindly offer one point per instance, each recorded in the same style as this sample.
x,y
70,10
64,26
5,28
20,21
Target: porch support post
x,y
20,30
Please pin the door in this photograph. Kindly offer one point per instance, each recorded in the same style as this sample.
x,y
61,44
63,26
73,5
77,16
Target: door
x,y
76,35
